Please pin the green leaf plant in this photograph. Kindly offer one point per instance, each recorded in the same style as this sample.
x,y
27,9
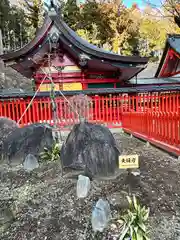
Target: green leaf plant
x,y
135,221
52,154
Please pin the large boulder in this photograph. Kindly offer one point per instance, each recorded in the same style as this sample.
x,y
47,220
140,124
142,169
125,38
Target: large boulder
x,y
7,126
27,140
91,148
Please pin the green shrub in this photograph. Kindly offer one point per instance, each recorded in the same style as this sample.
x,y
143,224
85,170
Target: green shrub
x,y
52,154
134,221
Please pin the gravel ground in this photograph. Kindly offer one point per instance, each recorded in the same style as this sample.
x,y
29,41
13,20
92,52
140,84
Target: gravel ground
x,y
42,205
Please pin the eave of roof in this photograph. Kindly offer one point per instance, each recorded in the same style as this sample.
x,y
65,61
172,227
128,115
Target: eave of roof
x,y
74,40
172,42
148,81
41,33
93,50
76,46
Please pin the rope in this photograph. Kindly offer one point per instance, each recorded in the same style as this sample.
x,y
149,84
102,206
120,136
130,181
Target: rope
x,y
50,78
61,93
47,75
31,101
52,96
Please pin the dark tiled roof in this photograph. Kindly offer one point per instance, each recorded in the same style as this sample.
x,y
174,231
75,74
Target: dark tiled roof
x,y
70,37
23,59
91,49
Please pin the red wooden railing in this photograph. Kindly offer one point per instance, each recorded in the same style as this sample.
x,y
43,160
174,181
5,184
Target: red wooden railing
x,y
154,117
106,110
157,120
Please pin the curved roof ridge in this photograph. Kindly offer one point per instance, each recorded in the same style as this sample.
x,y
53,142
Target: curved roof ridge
x,y
76,42
29,46
92,49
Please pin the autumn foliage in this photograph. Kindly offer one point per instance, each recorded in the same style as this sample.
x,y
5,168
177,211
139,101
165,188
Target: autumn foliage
x,y
107,24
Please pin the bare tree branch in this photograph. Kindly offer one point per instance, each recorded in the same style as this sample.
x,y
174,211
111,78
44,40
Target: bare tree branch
x,y
172,7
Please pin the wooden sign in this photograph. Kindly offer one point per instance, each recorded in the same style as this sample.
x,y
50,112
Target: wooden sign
x,y
128,161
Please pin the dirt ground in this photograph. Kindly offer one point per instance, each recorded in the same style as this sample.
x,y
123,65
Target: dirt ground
x,y
42,205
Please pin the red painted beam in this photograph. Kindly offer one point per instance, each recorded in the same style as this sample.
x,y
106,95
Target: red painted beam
x,y
58,75
69,74
176,54
80,80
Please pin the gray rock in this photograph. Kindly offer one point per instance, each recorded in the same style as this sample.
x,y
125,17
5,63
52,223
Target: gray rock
x,y
91,148
6,215
30,163
7,125
28,140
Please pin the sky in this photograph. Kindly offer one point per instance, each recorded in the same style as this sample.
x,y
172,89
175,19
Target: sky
x,y
128,3
141,3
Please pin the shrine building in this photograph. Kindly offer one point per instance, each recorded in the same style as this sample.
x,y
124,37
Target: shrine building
x,y
58,54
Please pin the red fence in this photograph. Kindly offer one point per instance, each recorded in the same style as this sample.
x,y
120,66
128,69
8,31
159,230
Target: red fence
x,y
157,120
152,116
105,110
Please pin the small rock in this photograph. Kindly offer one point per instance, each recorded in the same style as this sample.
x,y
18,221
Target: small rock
x,y
30,163
101,215
113,226
136,173
83,186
